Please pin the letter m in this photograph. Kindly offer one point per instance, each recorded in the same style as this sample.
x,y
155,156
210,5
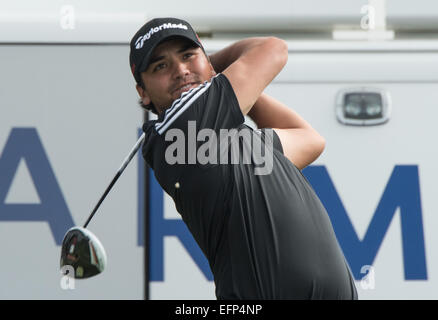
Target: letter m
x,y
402,191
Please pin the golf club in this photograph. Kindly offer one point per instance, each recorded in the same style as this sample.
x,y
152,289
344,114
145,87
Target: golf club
x,y
81,249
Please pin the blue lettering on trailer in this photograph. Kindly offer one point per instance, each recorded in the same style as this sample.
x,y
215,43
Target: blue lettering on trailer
x,y
402,191
25,143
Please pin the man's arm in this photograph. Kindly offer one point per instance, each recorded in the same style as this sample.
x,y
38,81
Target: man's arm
x,y
223,58
301,143
250,65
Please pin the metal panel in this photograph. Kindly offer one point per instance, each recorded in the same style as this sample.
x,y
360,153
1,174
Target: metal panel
x,y
116,21
80,103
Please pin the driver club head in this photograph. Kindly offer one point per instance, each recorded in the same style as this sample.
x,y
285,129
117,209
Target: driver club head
x,y
82,251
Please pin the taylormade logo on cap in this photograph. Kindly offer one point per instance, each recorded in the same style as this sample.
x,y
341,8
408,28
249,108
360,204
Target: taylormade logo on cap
x,y
140,41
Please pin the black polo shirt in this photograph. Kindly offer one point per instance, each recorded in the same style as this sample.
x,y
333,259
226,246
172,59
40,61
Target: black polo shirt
x,y
260,224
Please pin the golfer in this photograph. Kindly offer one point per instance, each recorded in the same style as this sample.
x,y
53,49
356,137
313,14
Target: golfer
x,y
256,218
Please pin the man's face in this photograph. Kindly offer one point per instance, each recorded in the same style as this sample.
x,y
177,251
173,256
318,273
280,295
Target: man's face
x,y
175,66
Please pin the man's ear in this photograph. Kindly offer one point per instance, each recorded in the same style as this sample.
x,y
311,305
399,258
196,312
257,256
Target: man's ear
x,y
145,99
212,71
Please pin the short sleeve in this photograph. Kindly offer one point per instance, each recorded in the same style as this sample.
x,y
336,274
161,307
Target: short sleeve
x,y
211,105
221,109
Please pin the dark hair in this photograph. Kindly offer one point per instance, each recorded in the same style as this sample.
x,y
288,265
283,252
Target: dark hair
x,y
148,107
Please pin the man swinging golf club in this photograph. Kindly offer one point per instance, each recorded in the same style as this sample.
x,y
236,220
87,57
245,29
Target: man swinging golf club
x,y
258,221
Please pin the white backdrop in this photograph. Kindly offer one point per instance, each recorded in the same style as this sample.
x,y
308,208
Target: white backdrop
x,y
81,103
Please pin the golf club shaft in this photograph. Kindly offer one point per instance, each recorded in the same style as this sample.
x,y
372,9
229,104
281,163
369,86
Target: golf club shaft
x,y
116,177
